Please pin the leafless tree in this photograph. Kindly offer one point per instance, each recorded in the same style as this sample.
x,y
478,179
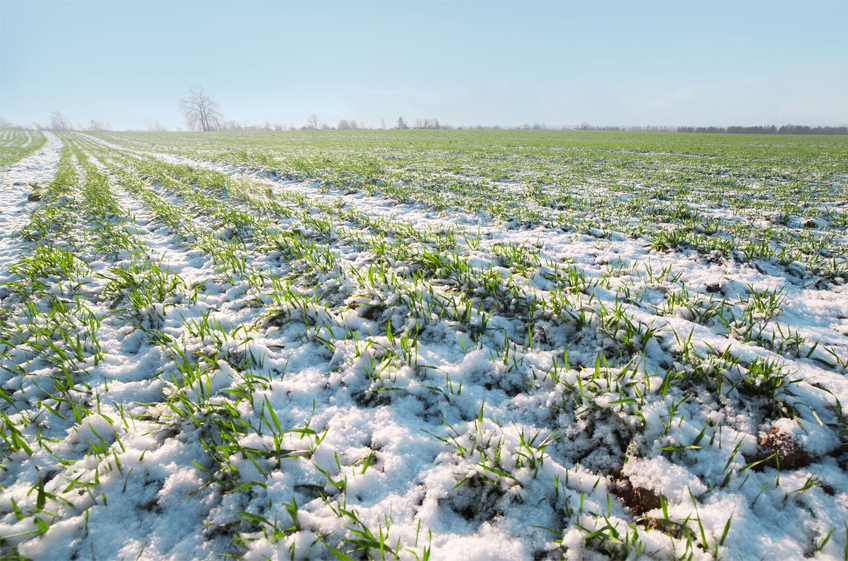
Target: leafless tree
x,y
96,125
401,124
312,122
201,112
343,125
154,126
59,122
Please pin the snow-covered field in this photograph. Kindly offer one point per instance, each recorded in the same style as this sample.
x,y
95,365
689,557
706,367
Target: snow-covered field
x,y
446,345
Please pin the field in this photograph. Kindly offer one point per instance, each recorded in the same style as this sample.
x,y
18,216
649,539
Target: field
x,y
423,345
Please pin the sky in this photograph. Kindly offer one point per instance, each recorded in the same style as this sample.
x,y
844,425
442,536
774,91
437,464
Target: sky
x,y
465,63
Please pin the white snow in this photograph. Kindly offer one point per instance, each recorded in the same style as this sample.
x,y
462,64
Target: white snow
x,y
502,449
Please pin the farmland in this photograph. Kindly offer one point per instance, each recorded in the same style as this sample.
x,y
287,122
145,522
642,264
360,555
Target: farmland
x,y
423,344
15,144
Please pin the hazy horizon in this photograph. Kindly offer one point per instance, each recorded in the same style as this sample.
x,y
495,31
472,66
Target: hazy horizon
x,y
467,63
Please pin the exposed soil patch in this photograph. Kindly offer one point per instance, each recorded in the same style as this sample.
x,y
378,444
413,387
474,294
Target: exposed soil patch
x,y
638,499
779,449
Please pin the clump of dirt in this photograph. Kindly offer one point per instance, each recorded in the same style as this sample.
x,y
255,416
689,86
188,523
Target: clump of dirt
x,y
713,287
153,506
827,488
778,448
476,501
638,499
34,197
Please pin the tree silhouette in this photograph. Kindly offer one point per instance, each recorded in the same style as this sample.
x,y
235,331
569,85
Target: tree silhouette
x,y
201,112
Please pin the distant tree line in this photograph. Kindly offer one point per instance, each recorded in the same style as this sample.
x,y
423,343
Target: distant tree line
x,y
584,126
202,113
767,129
58,122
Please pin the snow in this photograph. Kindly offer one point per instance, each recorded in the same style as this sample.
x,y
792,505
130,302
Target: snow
x,y
449,442
16,183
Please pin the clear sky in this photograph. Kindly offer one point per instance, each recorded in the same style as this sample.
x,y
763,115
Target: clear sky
x,y
465,63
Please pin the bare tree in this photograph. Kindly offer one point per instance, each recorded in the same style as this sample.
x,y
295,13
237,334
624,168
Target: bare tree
x,y
312,122
401,124
59,122
154,126
201,112
96,125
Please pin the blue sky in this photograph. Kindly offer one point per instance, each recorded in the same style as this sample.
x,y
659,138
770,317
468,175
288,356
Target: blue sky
x,y
465,63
